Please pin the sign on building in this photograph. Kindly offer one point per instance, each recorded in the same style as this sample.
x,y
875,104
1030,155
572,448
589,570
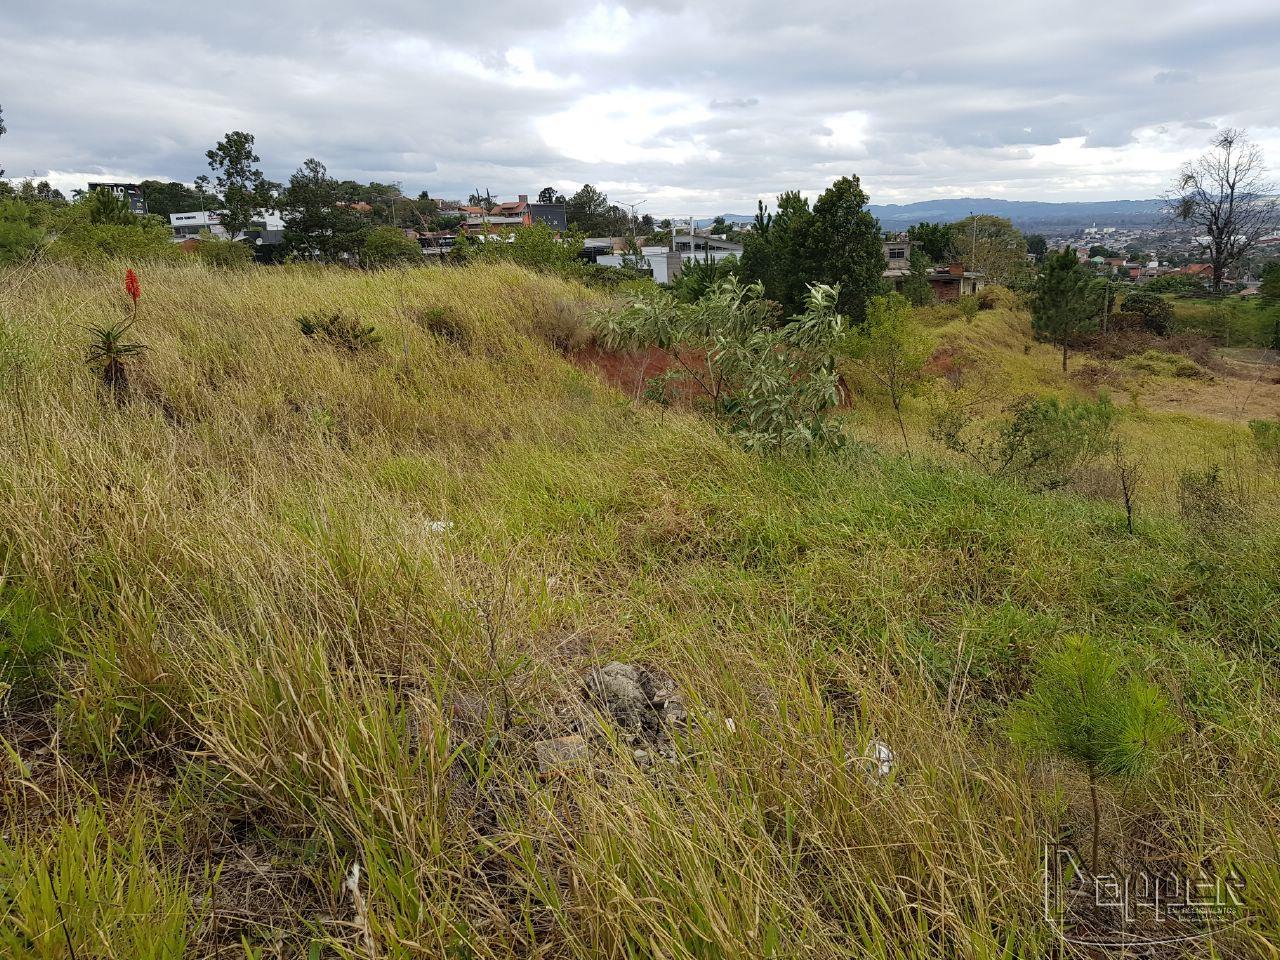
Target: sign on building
x,y
129,192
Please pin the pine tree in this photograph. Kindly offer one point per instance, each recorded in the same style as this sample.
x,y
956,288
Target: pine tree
x,y
1065,300
1082,708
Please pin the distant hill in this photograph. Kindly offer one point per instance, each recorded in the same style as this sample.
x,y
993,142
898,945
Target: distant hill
x,y
1024,213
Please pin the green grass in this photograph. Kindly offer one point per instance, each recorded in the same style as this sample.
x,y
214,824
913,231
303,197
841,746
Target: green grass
x,y
285,591
1231,321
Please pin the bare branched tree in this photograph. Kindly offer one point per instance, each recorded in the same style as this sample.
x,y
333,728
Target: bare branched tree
x,y
1226,196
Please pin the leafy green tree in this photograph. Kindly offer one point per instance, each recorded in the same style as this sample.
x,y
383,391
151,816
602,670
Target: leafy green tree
x,y
550,195
774,386
318,223
244,189
934,239
992,245
389,247
1040,442
42,193
21,233
1177,283
104,207
1156,312
225,254
99,226
1037,246
537,247
845,247
891,351
165,197
1065,301
837,243
916,287
590,212
1269,292
776,254
1082,708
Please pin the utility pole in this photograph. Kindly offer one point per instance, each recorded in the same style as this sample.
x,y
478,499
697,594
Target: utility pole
x,y
634,220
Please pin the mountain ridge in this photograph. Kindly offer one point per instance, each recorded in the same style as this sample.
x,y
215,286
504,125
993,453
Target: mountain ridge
x,y
1021,212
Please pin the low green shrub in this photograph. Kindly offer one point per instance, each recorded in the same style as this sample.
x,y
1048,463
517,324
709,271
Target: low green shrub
x,y
1163,364
773,385
1208,503
443,322
1155,312
997,297
339,330
390,247
1084,708
228,254
1041,442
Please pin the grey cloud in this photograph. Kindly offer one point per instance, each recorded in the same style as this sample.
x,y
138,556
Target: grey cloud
x,y
1174,76
734,101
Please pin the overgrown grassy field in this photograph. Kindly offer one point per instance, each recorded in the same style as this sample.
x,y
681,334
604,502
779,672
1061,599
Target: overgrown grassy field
x,y
291,609
1175,415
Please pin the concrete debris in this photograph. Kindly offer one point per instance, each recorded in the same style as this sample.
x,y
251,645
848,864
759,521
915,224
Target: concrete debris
x,y
642,701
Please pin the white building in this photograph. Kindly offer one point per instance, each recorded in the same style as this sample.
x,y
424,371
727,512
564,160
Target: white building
x,y
663,264
267,223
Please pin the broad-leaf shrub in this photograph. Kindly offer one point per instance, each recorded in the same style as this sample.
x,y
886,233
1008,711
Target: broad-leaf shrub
x,y
773,384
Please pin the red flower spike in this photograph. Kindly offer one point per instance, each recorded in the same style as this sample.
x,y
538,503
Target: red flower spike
x,y
131,285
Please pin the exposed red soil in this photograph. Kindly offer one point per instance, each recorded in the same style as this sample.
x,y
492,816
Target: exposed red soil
x,y
629,371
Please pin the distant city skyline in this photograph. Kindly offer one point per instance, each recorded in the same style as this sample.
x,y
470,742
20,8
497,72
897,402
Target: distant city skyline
x,y
696,109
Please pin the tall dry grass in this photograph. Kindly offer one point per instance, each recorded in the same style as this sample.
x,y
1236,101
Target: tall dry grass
x,y
292,608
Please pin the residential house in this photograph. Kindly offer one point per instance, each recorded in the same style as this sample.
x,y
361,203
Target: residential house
x,y
954,281
704,247
948,283
897,253
516,213
1201,271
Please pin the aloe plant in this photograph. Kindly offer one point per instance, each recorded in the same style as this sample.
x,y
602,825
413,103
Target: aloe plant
x,y
108,349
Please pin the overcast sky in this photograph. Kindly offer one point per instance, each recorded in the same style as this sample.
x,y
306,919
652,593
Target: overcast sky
x,y
692,105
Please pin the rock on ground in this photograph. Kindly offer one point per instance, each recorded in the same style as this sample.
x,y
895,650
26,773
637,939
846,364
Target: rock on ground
x,y
641,700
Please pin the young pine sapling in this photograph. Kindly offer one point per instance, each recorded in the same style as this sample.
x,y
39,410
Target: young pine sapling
x,y
1084,709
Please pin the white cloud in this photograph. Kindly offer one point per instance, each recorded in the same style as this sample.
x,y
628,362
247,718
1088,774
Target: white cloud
x,y
605,29
629,126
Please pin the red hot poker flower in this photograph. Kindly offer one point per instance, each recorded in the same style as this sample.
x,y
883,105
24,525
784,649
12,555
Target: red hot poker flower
x,y
131,285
